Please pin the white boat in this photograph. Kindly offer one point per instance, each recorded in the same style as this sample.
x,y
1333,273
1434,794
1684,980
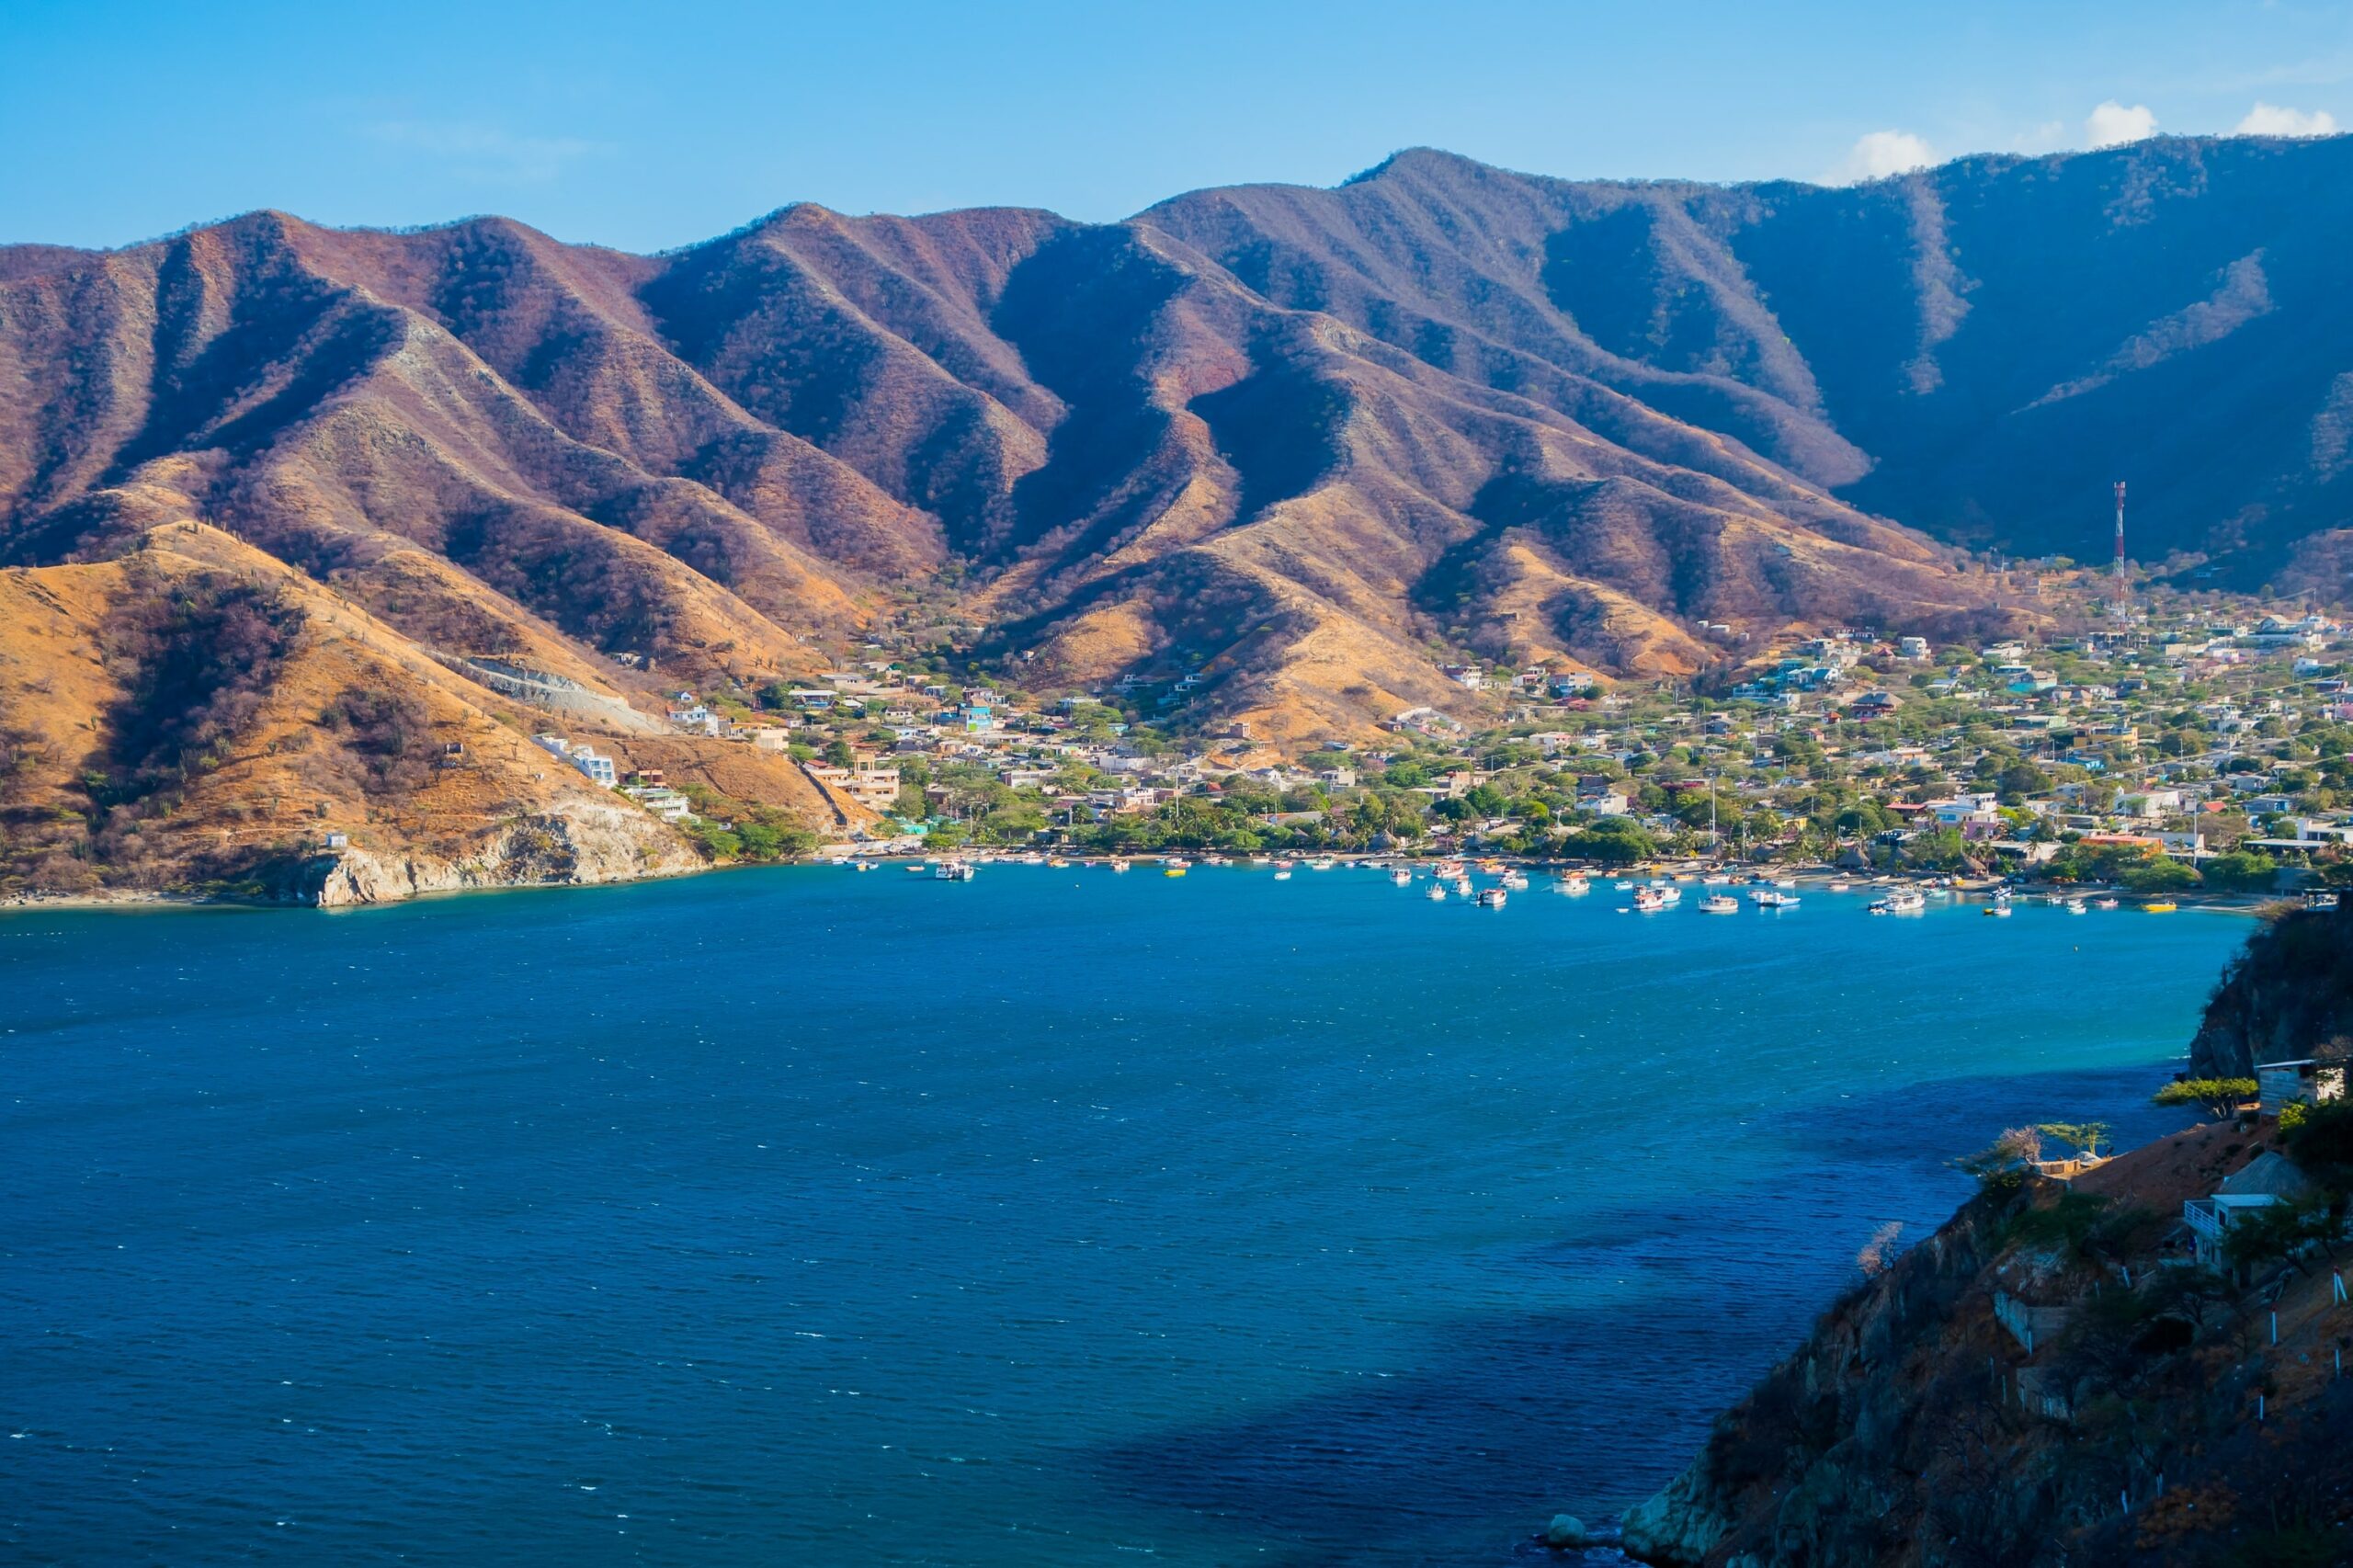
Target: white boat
x,y
1400,877
1282,873
1058,864
1720,904
1516,880
1437,893
2076,906
1322,863
1767,898
2000,911
1173,862
1118,865
1624,887
1576,886
952,871
1492,898
2103,903
1841,885
1906,901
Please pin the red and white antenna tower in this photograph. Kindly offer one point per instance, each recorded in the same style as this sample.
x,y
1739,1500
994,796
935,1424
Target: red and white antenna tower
x,y
2119,593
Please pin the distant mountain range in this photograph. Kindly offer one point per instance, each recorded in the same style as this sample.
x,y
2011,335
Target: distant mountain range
x,y
1315,443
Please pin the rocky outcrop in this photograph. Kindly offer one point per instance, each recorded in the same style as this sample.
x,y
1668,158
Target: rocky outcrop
x,y
2157,1414
2287,995
1677,1526
581,844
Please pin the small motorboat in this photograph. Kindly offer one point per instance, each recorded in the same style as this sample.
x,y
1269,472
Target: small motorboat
x,y
1400,878
1118,865
2103,903
1720,904
1576,886
1492,898
1516,880
1282,873
952,871
1437,893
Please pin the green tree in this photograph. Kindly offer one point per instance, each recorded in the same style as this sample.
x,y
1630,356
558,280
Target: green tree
x,y
2218,1097
2244,871
2156,873
2082,1136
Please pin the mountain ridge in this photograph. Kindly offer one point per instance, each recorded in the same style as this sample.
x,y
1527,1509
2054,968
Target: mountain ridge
x,y
1312,446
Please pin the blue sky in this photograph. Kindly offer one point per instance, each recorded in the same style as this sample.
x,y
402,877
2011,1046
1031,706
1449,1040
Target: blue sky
x,y
644,125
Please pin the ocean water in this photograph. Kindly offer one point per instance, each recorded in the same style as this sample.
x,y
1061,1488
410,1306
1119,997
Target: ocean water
x,y
1057,1218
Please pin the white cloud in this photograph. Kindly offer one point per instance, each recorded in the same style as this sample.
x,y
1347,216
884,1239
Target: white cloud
x,y
1880,154
2270,120
485,153
2113,124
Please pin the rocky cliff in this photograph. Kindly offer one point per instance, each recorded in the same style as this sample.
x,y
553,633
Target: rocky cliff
x,y
2043,1382
2289,994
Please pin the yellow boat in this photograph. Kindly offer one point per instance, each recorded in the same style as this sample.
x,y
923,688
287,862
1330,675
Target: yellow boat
x,y
1172,871
2163,906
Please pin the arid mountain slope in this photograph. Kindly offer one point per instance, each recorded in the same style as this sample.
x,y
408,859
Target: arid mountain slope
x,y
1311,443
729,461
193,714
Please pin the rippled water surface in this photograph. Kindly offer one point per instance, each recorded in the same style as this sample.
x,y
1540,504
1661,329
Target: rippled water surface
x,y
1057,1218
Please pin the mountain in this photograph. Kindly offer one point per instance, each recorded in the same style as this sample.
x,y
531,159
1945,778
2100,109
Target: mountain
x,y
1308,445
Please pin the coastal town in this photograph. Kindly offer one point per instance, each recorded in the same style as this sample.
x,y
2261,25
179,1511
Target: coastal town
x,y
2194,743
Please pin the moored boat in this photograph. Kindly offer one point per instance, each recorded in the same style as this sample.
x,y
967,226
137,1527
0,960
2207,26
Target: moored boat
x,y
1720,904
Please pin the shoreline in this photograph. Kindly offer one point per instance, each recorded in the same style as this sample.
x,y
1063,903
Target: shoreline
x,y
1814,878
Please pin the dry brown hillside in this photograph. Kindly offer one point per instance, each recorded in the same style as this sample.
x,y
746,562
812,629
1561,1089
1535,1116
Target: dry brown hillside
x,y
1310,445
1127,446
193,714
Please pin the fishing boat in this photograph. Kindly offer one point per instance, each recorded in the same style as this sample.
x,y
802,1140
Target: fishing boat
x,y
1668,896
1576,886
1649,900
1492,898
1118,865
1768,898
1437,893
1400,878
1906,901
952,871
1720,904
1463,888
1322,863
1516,880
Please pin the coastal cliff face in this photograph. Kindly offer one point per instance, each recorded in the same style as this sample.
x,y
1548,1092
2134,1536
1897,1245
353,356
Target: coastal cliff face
x,y
1913,1427
2290,995
583,843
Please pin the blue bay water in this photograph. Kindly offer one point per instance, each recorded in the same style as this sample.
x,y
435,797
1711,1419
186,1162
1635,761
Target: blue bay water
x,y
1057,1218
